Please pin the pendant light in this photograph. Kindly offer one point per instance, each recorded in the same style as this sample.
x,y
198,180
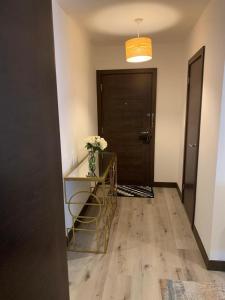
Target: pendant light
x,y
138,49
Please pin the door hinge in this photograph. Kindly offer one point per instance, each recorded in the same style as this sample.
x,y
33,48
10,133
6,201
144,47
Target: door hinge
x,y
101,87
102,130
153,121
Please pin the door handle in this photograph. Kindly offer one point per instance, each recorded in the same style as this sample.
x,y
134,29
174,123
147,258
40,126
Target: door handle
x,y
145,136
192,145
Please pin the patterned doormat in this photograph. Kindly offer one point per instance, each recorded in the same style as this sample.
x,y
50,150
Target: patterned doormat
x,y
135,191
190,290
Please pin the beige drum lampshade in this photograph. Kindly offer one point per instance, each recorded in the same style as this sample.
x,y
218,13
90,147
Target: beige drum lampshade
x,y
138,50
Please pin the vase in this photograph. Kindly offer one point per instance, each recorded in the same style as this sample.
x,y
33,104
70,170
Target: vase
x,y
91,163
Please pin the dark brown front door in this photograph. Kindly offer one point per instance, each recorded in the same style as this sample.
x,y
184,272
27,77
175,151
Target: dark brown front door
x,y
126,106
193,118
33,261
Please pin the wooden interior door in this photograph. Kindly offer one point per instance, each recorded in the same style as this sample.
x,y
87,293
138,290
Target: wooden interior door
x,y
126,115
33,263
193,118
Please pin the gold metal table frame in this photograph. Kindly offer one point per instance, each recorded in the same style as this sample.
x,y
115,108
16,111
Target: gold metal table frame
x,y
90,231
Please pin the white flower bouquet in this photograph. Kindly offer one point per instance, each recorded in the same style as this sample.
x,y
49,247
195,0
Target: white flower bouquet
x,y
94,144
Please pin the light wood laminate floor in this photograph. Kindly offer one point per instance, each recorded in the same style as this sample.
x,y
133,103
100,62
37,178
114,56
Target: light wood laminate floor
x,y
150,239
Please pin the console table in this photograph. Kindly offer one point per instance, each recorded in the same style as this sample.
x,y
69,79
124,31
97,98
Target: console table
x,y
91,228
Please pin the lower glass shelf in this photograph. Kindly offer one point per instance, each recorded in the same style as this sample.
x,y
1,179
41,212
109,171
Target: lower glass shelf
x,y
90,232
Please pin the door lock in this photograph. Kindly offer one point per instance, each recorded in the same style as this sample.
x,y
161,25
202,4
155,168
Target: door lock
x,y
145,136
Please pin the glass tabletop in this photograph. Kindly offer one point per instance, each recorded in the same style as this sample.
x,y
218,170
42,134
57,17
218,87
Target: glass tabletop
x,y
103,163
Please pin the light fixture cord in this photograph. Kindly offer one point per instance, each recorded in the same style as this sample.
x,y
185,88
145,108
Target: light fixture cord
x,y
138,22
138,29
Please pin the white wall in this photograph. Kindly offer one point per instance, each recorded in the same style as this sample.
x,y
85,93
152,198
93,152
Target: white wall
x,y
76,91
218,226
169,60
209,216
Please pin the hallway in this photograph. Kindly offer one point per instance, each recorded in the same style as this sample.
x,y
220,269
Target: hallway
x,y
151,240
97,95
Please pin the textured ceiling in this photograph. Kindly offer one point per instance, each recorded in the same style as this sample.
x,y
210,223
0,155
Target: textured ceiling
x,y
112,21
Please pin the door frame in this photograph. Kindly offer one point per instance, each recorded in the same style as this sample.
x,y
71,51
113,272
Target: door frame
x,y
200,53
153,72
